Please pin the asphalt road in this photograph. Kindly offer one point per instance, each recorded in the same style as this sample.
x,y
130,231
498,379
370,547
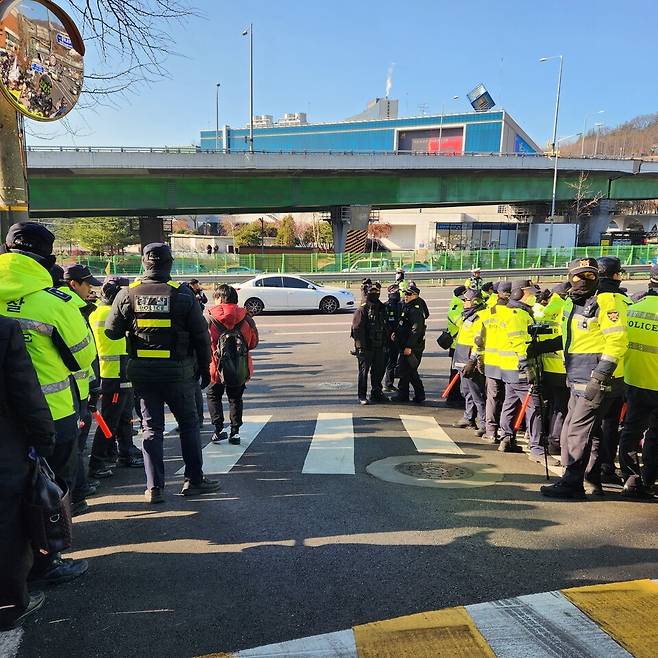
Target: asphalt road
x,y
281,553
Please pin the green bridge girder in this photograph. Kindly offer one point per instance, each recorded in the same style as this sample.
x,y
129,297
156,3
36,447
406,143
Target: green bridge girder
x,y
186,192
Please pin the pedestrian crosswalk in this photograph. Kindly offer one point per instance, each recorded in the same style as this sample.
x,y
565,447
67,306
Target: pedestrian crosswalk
x,y
332,447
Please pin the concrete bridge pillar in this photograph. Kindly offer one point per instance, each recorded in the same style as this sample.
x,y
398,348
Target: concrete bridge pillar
x,y
350,228
151,229
591,227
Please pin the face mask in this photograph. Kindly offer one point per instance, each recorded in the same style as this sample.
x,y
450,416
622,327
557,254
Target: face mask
x,y
372,297
582,287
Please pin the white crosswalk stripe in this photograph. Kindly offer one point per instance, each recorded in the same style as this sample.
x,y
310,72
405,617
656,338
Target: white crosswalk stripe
x,y
429,436
332,447
221,458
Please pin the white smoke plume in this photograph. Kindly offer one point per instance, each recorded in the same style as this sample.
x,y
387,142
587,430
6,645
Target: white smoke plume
x,y
389,79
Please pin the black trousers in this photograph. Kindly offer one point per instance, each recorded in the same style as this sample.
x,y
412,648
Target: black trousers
x,y
373,363
116,407
610,431
580,441
198,399
180,398
214,394
409,377
555,392
83,434
15,560
391,364
494,405
641,418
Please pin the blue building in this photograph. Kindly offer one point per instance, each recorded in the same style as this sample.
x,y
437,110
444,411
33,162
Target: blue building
x,y
379,129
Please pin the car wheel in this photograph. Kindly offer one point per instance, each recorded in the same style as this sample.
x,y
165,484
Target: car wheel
x,y
254,306
329,305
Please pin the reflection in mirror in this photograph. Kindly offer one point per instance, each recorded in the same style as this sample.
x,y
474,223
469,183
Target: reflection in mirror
x,y
41,72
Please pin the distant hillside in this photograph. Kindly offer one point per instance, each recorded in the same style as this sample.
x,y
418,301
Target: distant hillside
x,y
635,138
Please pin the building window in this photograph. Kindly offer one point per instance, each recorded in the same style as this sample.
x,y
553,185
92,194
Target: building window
x,y
476,235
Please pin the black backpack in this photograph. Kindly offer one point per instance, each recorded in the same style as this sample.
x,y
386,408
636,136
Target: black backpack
x,y
231,353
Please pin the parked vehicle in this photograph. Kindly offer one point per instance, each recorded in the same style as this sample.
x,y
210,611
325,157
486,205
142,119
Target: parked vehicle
x,y
272,292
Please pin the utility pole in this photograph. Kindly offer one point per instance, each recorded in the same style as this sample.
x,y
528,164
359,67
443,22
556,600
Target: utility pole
x,y
13,170
217,118
250,32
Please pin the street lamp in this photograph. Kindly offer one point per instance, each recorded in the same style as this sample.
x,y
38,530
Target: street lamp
x,y
557,100
217,117
250,32
582,141
557,142
443,111
596,141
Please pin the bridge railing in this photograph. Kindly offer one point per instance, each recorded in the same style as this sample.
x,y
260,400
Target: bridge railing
x,y
368,264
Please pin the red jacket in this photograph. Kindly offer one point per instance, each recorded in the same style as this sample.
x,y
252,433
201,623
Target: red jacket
x,y
230,315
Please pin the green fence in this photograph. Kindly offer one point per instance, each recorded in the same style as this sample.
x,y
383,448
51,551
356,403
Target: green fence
x,y
497,259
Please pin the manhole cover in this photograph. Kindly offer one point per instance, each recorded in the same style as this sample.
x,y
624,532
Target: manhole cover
x,y
334,386
434,470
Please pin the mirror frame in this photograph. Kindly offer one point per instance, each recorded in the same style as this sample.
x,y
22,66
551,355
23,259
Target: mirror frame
x,y
76,41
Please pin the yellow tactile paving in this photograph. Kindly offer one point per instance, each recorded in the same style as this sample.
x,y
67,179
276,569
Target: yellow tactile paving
x,y
450,633
627,611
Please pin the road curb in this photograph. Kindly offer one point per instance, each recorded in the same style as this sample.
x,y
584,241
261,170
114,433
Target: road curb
x,y
611,620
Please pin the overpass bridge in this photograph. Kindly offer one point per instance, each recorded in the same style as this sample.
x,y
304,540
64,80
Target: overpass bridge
x,y
74,182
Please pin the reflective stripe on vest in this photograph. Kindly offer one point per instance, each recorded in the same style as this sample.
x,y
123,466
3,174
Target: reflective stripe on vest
x,y
141,322
153,354
641,360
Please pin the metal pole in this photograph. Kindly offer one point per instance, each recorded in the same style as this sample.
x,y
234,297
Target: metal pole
x,y
443,110
596,141
251,87
217,118
582,139
557,102
13,170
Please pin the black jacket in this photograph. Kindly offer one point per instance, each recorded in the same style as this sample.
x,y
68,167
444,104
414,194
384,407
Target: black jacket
x,y
411,327
370,329
188,314
25,418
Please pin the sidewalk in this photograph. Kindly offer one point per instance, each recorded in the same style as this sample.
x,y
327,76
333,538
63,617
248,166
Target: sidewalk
x,y
600,621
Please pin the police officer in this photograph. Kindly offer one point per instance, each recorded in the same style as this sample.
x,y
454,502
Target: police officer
x,y
595,339
393,311
610,278
168,344
410,338
455,398
490,342
59,344
371,335
516,318
400,280
79,280
474,282
117,400
465,361
653,282
641,377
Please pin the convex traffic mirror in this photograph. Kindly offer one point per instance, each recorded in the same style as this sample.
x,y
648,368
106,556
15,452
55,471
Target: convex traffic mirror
x,y
41,58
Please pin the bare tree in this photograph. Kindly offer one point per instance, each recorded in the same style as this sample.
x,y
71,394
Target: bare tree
x,y
584,200
131,38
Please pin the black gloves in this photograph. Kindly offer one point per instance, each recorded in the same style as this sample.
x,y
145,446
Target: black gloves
x,y
544,347
468,371
92,402
595,389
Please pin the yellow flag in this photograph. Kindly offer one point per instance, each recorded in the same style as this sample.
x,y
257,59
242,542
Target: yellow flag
x,y
107,269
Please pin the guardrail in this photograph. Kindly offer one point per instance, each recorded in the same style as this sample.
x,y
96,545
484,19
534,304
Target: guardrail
x,y
538,274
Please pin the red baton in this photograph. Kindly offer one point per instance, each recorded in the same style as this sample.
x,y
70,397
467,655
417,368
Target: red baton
x,y
450,386
524,407
103,425
622,415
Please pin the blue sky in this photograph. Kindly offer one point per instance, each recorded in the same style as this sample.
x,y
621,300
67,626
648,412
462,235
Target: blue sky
x,y
329,58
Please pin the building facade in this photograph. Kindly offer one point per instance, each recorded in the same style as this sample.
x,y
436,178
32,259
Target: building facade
x,y
378,129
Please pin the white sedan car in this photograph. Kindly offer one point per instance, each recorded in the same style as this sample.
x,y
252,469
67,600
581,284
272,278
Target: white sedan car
x,y
275,292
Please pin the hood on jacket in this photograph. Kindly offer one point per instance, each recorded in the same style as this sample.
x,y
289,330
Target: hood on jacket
x,y
21,275
228,314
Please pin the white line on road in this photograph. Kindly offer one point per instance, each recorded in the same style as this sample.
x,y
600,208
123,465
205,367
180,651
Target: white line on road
x,y
332,446
542,626
429,436
221,458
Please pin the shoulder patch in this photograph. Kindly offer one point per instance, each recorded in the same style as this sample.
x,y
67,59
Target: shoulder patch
x,y
65,297
613,316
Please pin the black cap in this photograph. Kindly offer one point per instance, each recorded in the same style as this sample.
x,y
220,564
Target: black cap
x,y
413,288
158,251
654,273
193,282
609,265
561,288
488,286
582,265
504,288
472,296
80,273
376,285
520,284
31,237
459,291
